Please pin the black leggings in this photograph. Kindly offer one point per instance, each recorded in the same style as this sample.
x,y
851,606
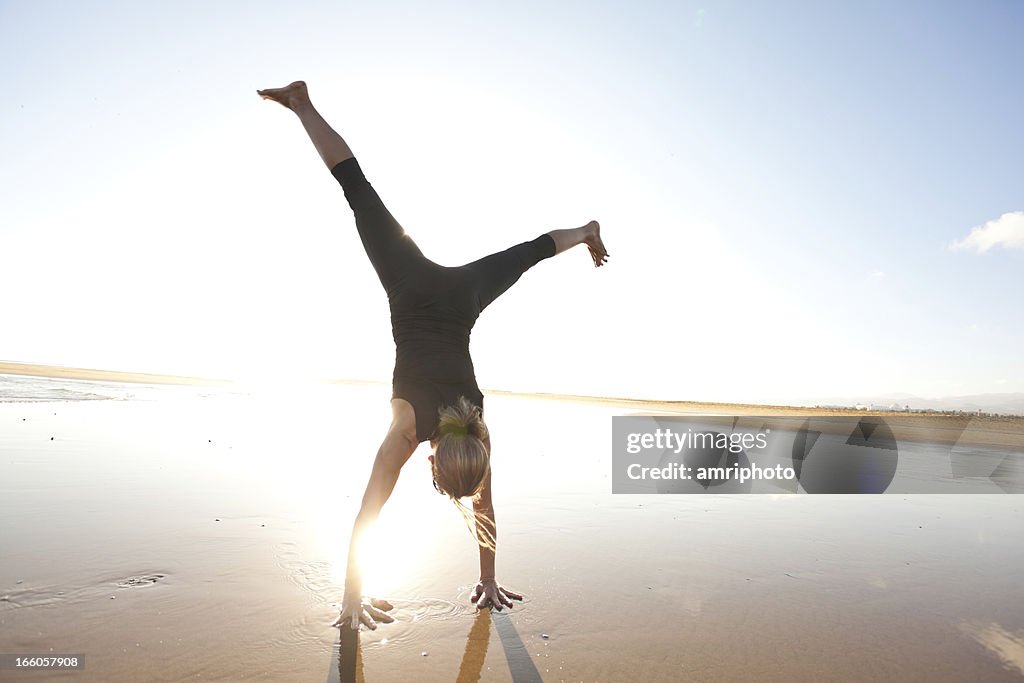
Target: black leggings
x,y
394,254
433,308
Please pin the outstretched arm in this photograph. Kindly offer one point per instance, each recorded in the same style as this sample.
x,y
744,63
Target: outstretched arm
x,y
394,452
486,528
488,592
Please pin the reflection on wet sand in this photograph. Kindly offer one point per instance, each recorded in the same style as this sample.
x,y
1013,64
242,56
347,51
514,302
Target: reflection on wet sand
x,y
476,649
347,661
1005,645
347,664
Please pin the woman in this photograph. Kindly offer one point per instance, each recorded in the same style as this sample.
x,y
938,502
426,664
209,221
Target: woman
x,y
435,395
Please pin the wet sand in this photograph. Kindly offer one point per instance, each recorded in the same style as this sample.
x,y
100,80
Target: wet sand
x,y
200,533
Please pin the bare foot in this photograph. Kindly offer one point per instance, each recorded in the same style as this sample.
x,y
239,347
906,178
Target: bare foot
x,y
291,96
595,245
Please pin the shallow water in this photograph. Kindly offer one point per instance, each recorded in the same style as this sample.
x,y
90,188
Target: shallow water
x,y
180,532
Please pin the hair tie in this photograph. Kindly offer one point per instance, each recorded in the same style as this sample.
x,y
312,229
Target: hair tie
x,y
454,429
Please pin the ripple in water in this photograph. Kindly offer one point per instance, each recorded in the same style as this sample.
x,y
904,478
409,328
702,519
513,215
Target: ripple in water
x,y
138,581
43,595
315,578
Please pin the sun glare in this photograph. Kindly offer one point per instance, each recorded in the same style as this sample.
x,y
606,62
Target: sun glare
x,y
391,551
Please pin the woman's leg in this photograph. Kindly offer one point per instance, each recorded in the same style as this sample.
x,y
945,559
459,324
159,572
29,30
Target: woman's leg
x,y
391,251
497,272
332,147
589,234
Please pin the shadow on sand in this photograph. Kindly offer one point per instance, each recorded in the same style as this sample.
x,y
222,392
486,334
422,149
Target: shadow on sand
x,y
347,659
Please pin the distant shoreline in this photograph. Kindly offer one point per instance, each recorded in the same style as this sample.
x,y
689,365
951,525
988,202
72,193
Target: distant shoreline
x,y
711,407
59,372
1006,425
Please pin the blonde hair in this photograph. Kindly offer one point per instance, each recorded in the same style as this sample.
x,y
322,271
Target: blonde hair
x,y
462,463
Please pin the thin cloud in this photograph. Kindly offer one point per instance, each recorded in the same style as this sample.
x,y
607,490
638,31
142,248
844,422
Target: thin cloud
x,y
1007,231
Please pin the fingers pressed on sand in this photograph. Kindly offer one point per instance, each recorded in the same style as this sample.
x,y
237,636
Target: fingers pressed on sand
x,y
379,616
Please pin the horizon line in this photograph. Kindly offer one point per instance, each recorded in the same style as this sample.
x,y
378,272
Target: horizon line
x,y
47,370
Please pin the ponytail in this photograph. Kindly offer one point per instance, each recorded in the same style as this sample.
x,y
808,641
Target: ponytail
x,y
462,463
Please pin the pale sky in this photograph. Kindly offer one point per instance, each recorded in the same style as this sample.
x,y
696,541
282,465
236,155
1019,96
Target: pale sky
x,y
800,200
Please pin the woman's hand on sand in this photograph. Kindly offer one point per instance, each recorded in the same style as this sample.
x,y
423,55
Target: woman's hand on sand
x,y
489,594
356,611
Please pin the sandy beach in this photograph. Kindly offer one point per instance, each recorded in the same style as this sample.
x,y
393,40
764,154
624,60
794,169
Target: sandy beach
x,y
733,285
179,531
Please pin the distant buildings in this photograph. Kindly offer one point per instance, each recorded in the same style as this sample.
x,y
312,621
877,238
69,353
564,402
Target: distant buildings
x,y
905,408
